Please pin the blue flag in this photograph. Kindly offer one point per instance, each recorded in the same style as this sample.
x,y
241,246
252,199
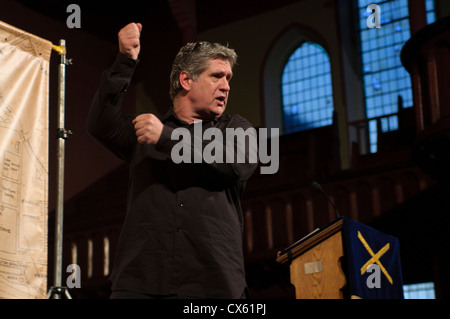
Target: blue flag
x,y
373,262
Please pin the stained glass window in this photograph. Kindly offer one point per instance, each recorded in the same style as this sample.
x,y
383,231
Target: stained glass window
x,y
384,77
307,94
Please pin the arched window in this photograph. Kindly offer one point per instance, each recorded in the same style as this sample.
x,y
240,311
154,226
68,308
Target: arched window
x,y
306,89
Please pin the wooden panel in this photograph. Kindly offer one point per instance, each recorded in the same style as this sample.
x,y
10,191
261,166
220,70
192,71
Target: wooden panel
x,y
299,216
317,274
279,223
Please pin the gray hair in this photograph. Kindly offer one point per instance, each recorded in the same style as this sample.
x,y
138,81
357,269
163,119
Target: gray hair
x,y
193,58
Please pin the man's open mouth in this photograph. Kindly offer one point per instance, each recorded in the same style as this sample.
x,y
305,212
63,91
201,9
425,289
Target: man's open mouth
x,y
221,99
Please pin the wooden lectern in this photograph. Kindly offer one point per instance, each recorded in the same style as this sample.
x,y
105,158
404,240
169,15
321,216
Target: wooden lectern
x,y
315,263
335,262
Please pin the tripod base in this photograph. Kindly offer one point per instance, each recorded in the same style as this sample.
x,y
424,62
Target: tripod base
x,y
58,293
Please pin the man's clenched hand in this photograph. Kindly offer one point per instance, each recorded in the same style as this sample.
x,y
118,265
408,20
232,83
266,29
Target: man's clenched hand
x,y
148,128
129,43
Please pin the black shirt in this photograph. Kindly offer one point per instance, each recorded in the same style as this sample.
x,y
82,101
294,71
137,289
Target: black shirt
x,y
182,233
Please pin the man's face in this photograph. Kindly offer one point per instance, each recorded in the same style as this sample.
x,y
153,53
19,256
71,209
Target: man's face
x,y
209,94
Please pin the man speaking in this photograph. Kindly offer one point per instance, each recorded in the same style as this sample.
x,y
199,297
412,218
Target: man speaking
x,y
182,234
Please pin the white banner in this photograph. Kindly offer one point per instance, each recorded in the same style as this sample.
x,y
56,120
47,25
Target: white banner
x,y
24,78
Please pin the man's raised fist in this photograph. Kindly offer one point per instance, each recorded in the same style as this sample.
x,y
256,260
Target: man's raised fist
x,y
129,43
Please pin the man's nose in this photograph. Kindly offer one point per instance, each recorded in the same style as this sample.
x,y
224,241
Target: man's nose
x,y
224,85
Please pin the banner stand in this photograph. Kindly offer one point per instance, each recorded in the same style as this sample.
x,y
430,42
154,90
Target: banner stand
x,y
58,291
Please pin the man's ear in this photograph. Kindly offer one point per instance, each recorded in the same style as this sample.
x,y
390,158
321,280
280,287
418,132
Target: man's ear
x,y
185,81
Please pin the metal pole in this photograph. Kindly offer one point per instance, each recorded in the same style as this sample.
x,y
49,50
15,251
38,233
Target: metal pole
x,y
62,134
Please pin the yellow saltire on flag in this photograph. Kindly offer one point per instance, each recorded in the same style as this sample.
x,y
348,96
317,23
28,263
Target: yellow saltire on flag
x,y
24,86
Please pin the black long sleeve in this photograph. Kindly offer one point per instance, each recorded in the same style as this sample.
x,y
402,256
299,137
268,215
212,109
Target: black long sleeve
x,y
106,121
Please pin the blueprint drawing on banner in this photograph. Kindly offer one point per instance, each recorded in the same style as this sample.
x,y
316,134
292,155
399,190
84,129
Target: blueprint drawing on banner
x,y
24,63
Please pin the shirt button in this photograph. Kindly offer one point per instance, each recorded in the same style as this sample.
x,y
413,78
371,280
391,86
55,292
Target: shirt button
x,y
181,204
178,229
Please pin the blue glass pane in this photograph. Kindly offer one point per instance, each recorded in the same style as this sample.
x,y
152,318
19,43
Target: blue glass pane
x,y
306,89
419,291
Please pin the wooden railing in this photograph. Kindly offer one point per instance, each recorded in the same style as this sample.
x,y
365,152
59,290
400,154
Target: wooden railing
x,y
276,219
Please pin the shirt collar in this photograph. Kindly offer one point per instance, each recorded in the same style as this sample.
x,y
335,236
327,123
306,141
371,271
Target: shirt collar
x,y
173,116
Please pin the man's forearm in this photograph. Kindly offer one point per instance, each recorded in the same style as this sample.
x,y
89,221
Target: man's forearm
x,y
106,121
